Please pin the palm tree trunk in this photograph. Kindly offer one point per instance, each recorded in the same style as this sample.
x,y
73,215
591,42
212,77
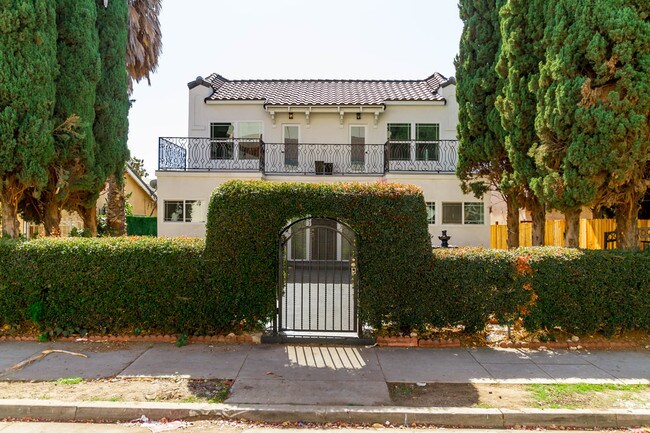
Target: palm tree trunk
x,y
115,213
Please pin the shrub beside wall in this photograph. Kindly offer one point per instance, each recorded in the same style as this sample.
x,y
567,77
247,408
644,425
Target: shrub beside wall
x,y
589,290
581,291
115,285
107,285
141,226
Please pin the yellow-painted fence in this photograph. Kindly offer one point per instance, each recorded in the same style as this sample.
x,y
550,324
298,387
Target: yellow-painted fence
x,y
592,233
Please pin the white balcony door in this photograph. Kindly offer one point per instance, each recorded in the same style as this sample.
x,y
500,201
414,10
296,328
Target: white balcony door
x,y
358,147
291,139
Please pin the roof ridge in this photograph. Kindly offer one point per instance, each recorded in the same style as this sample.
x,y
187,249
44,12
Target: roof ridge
x,y
322,80
326,90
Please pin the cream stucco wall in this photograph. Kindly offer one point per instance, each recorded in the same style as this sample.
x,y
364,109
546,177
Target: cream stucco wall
x,y
439,189
321,127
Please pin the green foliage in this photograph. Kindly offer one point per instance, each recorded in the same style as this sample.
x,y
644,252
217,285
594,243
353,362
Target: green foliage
x,y
521,34
79,64
141,226
112,103
593,99
181,340
69,381
107,285
589,290
27,71
137,165
468,286
245,220
186,287
482,160
580,291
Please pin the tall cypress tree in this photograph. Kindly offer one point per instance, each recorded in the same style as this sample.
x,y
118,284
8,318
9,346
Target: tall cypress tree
x,y
593,106
27,71
482,159
522,31
112,104
72,171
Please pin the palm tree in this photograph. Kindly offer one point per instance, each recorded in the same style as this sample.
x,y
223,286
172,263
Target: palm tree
x,y
142,53
145,38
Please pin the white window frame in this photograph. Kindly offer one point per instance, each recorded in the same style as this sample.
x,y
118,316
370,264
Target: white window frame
x,y
185,202
431,203
462,213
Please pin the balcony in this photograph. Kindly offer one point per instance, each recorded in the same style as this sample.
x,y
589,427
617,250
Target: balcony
x,y
205,154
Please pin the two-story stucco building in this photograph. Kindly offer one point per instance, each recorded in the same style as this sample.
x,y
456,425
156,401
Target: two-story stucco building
x,y
319,131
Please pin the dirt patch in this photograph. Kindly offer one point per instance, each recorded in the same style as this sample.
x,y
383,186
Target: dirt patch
x,y
572,396
517,396
177,390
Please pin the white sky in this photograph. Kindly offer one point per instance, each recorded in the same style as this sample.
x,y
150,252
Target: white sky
x,y
239,39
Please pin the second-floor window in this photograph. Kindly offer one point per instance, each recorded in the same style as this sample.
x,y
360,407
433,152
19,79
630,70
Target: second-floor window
x,y
221,144
399,136
426,141
249,143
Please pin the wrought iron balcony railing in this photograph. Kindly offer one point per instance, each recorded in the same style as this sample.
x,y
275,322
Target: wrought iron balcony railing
x,y
204,154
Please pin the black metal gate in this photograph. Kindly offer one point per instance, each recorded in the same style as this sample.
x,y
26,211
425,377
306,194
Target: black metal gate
x,y
317,288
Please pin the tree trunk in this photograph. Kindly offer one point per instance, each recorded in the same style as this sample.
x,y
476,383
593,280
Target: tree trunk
x,y
115,214
512,221
10,226
52,218
572,230
89,218
538,212
627,231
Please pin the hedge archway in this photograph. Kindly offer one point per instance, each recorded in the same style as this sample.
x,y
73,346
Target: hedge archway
x,y
245,219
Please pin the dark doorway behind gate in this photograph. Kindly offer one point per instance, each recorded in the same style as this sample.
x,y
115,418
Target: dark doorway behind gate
x,y
317,288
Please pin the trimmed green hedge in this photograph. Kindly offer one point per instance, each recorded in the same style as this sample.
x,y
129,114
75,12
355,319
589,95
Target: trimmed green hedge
x,y
115,285
589,290
245,219
581,291
107,285
141,226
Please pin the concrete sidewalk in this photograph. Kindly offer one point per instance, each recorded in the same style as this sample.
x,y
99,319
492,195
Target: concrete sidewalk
x,y
288,374
322,383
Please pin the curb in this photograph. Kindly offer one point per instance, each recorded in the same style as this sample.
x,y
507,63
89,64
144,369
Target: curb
x,y
230,338
466,417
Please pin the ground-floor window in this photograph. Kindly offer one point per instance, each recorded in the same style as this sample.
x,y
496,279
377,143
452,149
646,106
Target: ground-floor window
x,y
189,211
463,213
431,212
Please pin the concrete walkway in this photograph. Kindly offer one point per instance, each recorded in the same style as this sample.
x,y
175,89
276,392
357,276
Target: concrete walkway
x,y
323,375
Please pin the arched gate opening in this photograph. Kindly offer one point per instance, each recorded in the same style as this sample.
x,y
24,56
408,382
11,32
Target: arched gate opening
x,y
318,293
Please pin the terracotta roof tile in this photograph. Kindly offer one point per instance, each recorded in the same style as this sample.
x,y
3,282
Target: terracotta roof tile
x,y
326,92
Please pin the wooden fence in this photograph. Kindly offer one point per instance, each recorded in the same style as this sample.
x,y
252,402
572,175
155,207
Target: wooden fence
x,y
592,233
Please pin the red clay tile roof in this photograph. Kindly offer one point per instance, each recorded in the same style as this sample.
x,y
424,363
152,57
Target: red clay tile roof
x,y
326,92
